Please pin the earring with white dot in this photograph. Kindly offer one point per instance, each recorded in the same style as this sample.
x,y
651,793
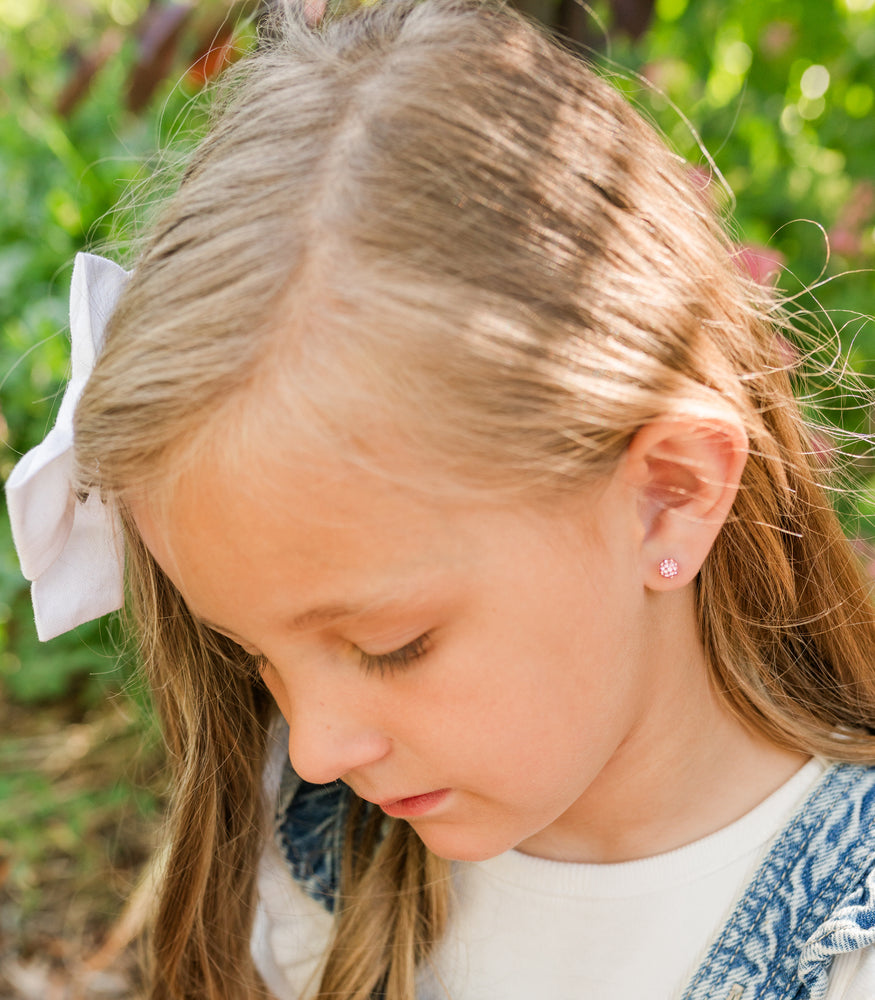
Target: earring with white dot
x,y
668,568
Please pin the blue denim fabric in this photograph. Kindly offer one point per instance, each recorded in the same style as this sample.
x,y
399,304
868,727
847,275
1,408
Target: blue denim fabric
x,y
812,898
310,827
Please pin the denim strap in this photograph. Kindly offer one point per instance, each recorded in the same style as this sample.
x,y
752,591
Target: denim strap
x,y
811,899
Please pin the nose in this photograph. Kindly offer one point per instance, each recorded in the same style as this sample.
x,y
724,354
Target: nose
x,y
326,744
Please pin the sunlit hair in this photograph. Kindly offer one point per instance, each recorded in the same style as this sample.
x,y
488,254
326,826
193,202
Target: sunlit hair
x,y
426,223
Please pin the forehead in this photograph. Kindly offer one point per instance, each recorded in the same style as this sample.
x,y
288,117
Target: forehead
x,y
301,506
294,533
286,534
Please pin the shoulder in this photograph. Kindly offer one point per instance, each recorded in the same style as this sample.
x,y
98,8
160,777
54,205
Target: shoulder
x,y
843,946
852,976
291,931
296,875
837,961
810,902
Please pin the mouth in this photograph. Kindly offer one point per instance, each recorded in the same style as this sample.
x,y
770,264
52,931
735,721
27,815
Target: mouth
x,y
414,805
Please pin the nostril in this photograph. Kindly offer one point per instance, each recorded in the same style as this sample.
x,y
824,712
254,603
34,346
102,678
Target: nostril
x,y
327,752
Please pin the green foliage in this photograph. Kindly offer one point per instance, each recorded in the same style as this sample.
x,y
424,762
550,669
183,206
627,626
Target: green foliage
x,y
781,95
75,821
61,181
79,802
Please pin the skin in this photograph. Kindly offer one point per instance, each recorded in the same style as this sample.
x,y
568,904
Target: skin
x,y
560,695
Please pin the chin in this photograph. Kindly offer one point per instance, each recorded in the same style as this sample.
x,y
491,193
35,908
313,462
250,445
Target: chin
x,y
459,844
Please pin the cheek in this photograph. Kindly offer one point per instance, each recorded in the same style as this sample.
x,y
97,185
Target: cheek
x,y
528,701
487,712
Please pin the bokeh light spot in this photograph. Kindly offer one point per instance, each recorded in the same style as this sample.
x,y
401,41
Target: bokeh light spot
x,y
814,82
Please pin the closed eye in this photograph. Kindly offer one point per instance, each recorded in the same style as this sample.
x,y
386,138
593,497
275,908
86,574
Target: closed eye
x,y
397,659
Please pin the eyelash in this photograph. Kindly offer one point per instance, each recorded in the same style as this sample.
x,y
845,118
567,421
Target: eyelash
x,y
397,659
382,663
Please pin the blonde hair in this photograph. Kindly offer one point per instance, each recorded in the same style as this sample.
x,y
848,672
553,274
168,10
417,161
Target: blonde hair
x,y
430,209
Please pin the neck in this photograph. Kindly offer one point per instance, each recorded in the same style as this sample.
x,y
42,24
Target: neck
x,y
686,768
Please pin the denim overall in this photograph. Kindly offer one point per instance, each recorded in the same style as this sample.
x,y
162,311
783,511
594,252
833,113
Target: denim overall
x,y
812,898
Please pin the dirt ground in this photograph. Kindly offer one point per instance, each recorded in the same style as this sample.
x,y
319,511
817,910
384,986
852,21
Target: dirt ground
x,y
80,801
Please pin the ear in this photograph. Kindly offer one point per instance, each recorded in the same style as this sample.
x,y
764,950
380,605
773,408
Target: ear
x,y
686,472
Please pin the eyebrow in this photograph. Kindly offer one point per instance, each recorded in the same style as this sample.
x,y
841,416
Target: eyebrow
x,y
323,615
332,612
378,603
316,617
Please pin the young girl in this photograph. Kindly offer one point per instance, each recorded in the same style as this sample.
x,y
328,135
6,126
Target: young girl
x,y
457,465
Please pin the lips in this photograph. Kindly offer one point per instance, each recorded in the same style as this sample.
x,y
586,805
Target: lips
x,y
414,805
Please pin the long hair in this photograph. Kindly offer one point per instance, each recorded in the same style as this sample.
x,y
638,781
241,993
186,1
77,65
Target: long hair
x,y
430,212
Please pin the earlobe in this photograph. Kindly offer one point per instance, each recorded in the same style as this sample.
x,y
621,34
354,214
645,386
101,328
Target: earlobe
x,y
686,471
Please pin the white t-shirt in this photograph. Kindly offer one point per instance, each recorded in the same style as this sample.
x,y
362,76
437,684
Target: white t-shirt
x,y
524,927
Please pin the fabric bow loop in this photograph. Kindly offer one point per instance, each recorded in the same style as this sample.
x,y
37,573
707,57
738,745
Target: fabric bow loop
x,y
70,549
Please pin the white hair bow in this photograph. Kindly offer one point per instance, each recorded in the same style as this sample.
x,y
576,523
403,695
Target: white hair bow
x,y
70,549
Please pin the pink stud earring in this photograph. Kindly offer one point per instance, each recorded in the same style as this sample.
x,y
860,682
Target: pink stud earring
x,y
668,568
